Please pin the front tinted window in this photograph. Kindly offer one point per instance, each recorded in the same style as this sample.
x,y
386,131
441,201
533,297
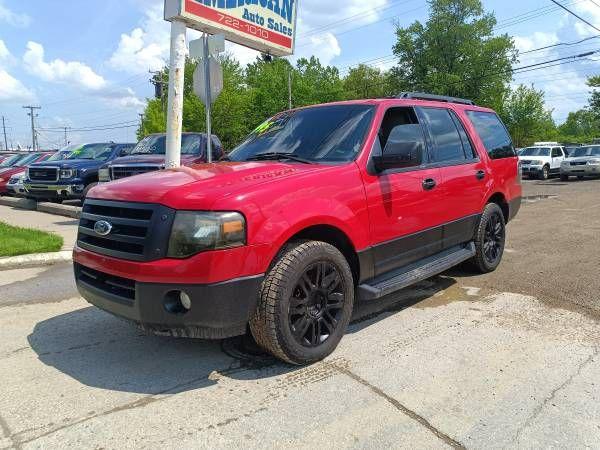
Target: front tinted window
x,y
493,133
536,151
586,151
8,162
92,151
157,145
326,133
28,159
447,144
556,152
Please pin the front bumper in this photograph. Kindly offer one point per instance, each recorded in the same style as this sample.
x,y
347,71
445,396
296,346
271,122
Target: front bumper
x,y
218,310
585,171
45,190
531,170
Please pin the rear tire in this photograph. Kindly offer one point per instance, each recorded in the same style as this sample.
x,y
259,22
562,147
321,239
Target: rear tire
x,y
490,239
305,303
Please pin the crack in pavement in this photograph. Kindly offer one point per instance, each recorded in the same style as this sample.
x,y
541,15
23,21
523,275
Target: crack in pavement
x,y
140,403
7,433
538,409
400,407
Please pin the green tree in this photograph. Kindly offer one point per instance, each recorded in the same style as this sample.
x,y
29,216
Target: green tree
x,y
314,83
455,53
594,102
366,82
581,126
526,117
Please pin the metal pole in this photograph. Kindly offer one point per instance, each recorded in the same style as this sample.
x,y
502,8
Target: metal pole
x,y
206,61
4,128
290,89
175,102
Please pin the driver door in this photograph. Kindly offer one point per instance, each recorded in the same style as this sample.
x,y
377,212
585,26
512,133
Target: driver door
x,y
404,203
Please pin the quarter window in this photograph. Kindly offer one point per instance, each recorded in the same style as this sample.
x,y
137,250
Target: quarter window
x,y
447,143
493,133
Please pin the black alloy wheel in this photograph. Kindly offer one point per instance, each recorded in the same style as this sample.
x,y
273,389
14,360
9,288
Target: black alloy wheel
x,y
316,304
493,243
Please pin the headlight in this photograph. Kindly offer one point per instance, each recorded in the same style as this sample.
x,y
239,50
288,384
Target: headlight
x,y
103,175
194,232
67,173
594,162
537,163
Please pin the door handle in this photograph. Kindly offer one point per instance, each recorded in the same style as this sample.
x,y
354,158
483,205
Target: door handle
x,y
480,175
429,184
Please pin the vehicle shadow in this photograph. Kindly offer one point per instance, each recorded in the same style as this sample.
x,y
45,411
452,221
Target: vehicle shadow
x,y
101,351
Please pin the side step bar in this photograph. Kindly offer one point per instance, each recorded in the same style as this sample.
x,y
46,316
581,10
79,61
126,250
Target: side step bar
x,y
413,273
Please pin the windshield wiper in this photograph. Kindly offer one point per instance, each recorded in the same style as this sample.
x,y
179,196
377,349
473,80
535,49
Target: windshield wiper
x,y
277,156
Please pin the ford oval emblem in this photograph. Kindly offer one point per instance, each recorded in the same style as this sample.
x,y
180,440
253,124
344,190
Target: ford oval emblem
x,y
102,227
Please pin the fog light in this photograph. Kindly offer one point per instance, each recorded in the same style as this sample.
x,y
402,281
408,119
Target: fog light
x,y
186,301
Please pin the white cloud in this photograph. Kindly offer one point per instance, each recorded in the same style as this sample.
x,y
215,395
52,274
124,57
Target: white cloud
x,y
12,18
536,40
590,12
145,47
12,89
58,71
4,53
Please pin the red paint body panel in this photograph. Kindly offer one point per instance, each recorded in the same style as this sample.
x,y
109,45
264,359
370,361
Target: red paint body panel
x,y
5,174
281,199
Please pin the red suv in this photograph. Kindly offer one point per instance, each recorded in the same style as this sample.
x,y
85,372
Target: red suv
x,y
318,209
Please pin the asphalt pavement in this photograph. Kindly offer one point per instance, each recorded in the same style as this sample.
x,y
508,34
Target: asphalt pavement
x,y
506,360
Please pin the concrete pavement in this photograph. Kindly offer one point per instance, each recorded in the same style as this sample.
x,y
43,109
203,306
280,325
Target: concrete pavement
x,y
506,360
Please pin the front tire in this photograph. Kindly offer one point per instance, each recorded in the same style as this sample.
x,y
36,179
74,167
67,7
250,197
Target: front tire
x,y
87,189
564,178
490,239
545,173
305,303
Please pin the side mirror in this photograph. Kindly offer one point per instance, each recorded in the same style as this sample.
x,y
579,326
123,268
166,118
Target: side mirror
x,y
399,155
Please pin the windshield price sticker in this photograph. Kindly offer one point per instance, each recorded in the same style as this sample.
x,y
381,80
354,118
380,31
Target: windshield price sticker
x,y
265,25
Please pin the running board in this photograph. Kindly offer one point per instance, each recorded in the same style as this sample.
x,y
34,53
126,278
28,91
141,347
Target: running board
x,y
413,273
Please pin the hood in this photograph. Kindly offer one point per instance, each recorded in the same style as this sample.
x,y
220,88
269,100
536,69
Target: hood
x,y
159,160
533,158
70,163
201,185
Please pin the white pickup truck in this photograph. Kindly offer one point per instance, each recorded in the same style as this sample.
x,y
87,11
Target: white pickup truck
x,y
542,161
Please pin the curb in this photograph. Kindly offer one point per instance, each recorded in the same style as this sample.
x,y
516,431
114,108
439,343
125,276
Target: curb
x,y
50,208
35,260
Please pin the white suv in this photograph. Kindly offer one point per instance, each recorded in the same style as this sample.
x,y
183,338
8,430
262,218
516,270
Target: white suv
x,y
542,161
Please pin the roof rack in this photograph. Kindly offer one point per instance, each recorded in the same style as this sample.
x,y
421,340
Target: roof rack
x,y
433,97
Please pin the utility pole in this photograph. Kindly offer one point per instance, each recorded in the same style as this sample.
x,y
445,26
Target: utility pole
x,y
290,89
66,139
141,121
33,134
4,129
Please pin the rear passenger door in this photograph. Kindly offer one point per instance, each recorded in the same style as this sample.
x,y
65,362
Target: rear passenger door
x,y
463,174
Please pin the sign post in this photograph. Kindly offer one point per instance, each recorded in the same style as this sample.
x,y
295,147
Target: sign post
x,y
175,101
266,26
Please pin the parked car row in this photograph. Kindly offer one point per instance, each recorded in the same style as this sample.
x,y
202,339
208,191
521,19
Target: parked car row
x,y
71,172
544,161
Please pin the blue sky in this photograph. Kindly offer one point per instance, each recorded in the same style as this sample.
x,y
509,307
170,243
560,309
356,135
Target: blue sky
x,y
86,63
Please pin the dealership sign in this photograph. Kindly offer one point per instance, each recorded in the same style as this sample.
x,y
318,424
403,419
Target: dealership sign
x,y
268,26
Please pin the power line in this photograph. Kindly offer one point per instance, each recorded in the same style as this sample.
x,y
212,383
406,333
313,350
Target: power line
x,y
576,15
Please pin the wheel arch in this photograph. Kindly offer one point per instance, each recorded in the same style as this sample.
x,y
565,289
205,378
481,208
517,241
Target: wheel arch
x,y
500,199
333,236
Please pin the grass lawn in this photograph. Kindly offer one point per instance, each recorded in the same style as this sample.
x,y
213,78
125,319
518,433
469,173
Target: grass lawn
x,y
23,241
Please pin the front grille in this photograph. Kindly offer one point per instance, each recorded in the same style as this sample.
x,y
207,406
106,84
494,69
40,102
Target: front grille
x,y
139,231
579,163
121,290
43,174
118,172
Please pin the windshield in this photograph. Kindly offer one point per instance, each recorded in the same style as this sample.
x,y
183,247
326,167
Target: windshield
x,y
536,151
8,162
28,159
64,152
157,145
320,134
586,151
92,151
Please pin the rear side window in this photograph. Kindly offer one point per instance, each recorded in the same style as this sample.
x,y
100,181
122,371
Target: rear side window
x,y
493,133
448,145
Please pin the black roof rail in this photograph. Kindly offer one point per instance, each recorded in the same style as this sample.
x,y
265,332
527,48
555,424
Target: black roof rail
x,y
434,97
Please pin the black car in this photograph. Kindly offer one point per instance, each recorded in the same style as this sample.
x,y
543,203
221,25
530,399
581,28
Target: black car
x,y
74,176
